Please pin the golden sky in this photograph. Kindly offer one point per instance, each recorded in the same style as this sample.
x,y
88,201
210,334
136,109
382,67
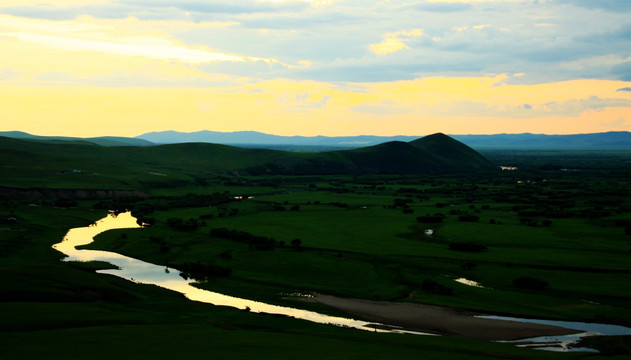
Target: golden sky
x,y
315,67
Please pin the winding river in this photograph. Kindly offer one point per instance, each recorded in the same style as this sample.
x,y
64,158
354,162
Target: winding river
x,y
147,273
143,272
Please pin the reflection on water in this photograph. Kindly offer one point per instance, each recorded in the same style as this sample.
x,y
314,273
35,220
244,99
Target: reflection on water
x,y
560,343
468,282
143,272
600,329
564,342
147,273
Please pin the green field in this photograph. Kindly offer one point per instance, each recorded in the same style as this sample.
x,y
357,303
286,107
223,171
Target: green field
x,y
362,236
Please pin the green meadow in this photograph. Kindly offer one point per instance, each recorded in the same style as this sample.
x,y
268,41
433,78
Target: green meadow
x,y
561,221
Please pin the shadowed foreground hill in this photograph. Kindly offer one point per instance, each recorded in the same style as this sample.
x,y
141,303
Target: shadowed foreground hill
x,y
130,165
432,154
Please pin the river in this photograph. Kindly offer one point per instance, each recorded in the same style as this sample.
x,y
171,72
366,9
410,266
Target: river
x,y
143,272
147,273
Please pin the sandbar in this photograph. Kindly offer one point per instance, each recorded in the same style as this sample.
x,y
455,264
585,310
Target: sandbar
x,y
438,320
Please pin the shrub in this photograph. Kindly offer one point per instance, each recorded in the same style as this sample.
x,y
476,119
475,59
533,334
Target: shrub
x,y
179,224
530,283
467,247
256,242
436,288
429,219
468,218
199,271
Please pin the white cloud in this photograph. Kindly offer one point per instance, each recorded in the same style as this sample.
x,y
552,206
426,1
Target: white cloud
x,y
395,41
85,35
146,47
344,40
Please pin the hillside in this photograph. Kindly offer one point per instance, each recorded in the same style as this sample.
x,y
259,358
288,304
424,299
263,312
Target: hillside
x,y
71,163
101,140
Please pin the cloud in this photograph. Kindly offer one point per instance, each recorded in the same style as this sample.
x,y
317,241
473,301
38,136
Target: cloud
x,y
383,108
205,106
607,5
597,103
150,48
87,35
624,89
552,109
622,71
57,3
393,42
223,6
442,7
388,45
353,40
619,123
447,104
302,102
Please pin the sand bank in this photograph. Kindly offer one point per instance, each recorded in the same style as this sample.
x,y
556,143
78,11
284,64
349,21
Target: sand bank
x,y
438,320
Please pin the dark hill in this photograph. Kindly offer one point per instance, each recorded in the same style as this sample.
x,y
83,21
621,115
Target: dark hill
x,y
433,154
101,140
73,163
451,153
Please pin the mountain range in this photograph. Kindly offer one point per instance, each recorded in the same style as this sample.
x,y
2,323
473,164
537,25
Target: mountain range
x,y
605,140
79,163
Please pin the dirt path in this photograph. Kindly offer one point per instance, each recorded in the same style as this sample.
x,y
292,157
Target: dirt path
x,y
438,320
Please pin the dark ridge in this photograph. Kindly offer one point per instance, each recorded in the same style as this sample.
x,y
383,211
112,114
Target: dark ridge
x,y
434,154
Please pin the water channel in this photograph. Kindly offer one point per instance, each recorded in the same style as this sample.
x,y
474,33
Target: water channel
x,y
147,273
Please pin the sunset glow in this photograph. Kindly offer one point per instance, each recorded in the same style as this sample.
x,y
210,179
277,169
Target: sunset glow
x,y
315,67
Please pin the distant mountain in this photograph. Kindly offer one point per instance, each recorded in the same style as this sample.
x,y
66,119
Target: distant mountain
x,y
257,138
606,140
101,140
252,139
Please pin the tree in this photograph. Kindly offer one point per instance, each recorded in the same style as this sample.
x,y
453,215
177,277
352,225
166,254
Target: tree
x,y
296,243
530,283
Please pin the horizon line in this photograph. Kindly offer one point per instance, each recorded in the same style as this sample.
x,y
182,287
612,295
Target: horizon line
x,y
309,136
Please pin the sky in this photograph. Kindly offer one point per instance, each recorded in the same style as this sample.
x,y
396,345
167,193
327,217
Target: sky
x,y
315,67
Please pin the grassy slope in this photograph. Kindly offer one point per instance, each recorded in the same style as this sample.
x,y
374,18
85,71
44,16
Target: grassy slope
x,y
65,311
448,151
46,160
385,255
55,299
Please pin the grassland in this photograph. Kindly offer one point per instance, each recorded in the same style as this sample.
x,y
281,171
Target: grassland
x,y
359,236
